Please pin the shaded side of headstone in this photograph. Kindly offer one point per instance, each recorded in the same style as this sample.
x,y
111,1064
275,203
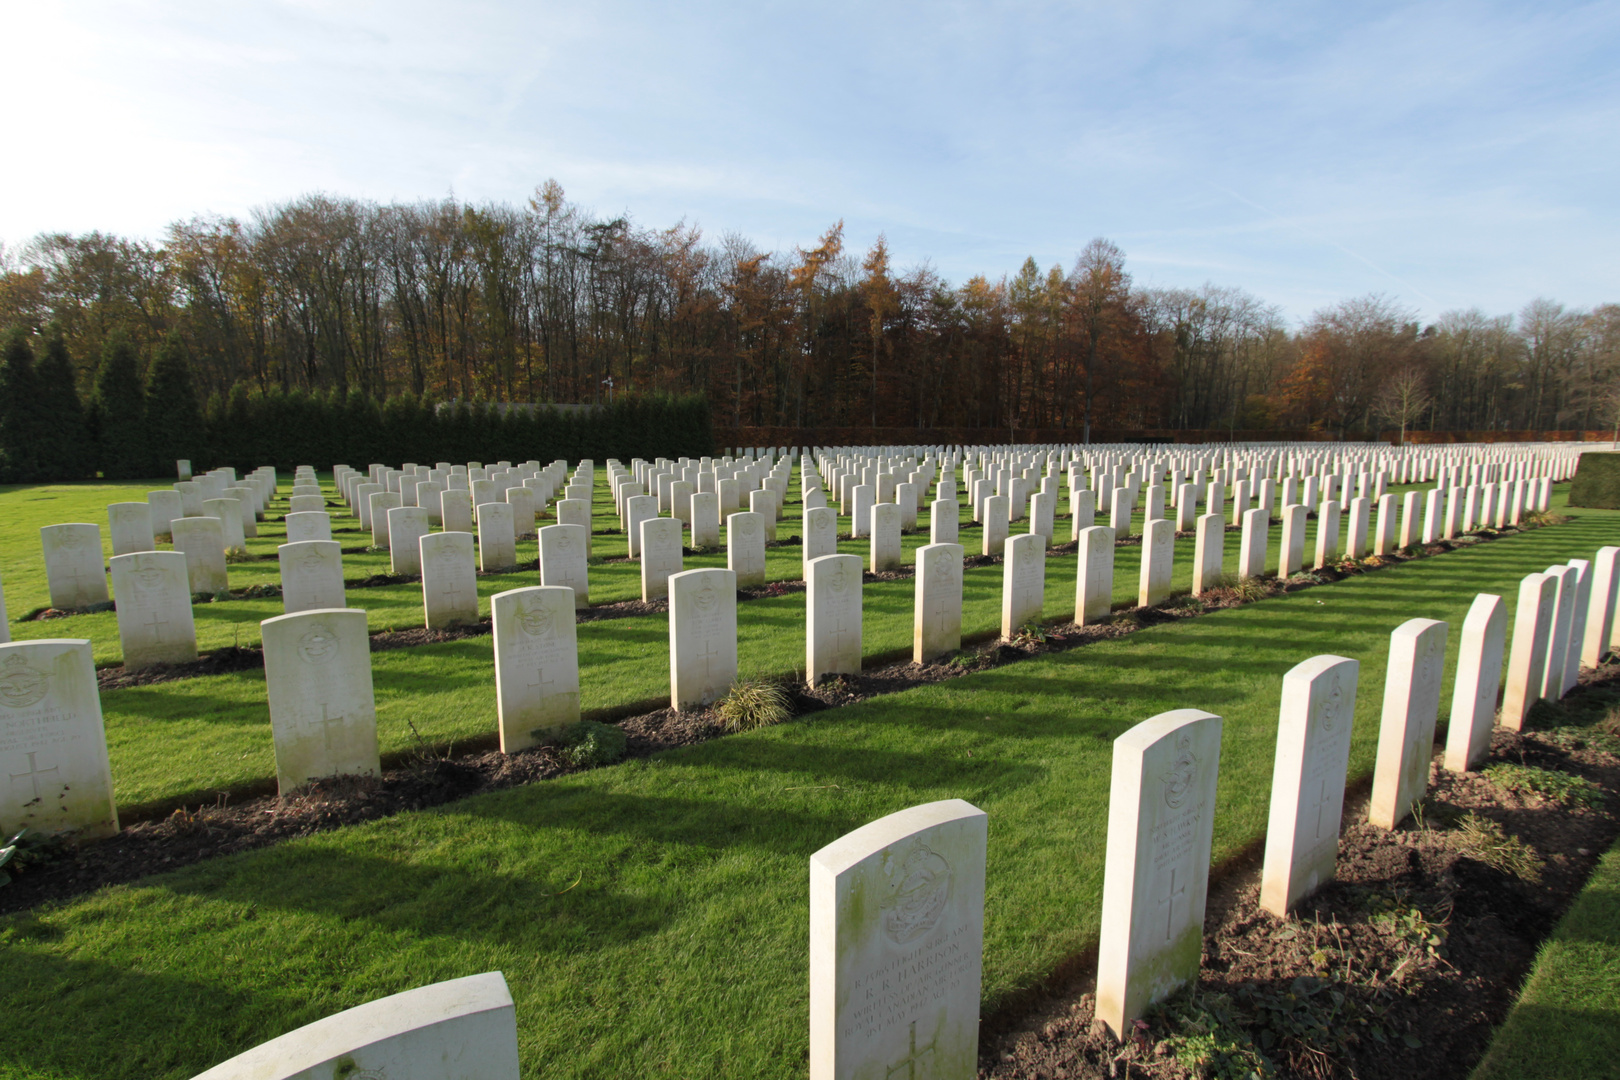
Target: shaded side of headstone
x,y
73,569
1417,652
1161,819
1532,627
1600,610
896,946
1307,780
1479,675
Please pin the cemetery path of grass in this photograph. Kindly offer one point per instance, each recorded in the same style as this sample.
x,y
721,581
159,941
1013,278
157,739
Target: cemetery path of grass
x,y
1566,1022
651,917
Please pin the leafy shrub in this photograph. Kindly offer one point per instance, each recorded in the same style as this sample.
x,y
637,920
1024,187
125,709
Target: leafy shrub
x,y
590,743
753,704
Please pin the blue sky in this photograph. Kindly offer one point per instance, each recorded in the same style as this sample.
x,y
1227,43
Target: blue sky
x,y
1445,154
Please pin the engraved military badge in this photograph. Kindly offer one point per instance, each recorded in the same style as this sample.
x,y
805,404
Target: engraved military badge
x,y
21,685
318,645
706,599
1179,777
1327,711
919,888
537,621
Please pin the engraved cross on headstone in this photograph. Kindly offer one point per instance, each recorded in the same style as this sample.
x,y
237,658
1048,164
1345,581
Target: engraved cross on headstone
x,y
34,773
542,682
912,1059
1321,808
708,656
156,624
1169,903
325,724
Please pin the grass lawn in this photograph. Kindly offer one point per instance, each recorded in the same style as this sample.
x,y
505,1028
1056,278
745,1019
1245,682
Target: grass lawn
x,y
1567,1020
190,739
651,917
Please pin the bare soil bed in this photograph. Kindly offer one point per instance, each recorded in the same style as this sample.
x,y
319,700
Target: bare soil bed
x,y
1402,967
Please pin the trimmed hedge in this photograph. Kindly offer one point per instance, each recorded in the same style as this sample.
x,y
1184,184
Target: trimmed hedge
x,y
1597,482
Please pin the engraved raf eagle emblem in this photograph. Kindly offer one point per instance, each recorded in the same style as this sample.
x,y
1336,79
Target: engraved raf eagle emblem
x,y
21,685
1178,778
919,888
318,645
536,620
1327,713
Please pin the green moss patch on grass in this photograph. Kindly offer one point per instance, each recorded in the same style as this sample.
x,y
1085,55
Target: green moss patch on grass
x,y
1566,1022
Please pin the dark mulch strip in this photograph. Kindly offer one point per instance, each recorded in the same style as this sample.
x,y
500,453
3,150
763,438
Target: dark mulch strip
x,y
376,581
420,635
624,609
219,662
1422,998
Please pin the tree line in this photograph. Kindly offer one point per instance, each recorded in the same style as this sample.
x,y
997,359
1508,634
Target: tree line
x,y
546,302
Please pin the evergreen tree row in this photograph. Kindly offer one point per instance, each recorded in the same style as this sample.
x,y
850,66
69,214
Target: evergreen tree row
x,y
132,429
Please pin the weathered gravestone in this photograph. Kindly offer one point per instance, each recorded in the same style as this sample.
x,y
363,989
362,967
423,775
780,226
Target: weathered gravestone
x,y
702,636
202,541
311,575
455,511
381,503
130,526
705,524
1161,819
1252,546
154,609
1479,675
73,565
306,504
248,500
576,512
229,514
1600,612
563,551
995,524
820,538
660,556
54,774
1023,582
497,538
317,670
638,508
885,547
1158,549
1327,534
896,946
536,664
745,548
521,500
164,507
406,527
937,623
833,617
308,525
464,1029
1307,780
1417,652
1209,552
449,580
1558,637
1532,627
1094,580
943,519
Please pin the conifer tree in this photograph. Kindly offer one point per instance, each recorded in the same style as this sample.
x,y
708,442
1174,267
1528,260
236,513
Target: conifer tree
x,y
123,411
19,391
173,418
66,452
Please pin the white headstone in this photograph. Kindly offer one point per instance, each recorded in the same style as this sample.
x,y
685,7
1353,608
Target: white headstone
x,y
1527,663
1479,675
455,511
833,617
311,575
497,538
202,541
458,1030
1094,580
1023,582
73,565
406,527
306,504
1600,610
638,508
885,547
1158,551
702,636
154,609
1209,551
1161,819
521,500
820,528
705,524
317,670
229,513
1307,780
563,560
995,524
1558,639
660,556
53,746
745,548
1417,653
130,526
449,580
937,622
164,507
576,512
536,664
1327,534
896,946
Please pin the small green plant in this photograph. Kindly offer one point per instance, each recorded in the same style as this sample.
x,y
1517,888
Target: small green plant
x,y
238,555
1030,634
753,704
28,848
1210,1040
960,660
1483,839
1250,589
590,743
1550,784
